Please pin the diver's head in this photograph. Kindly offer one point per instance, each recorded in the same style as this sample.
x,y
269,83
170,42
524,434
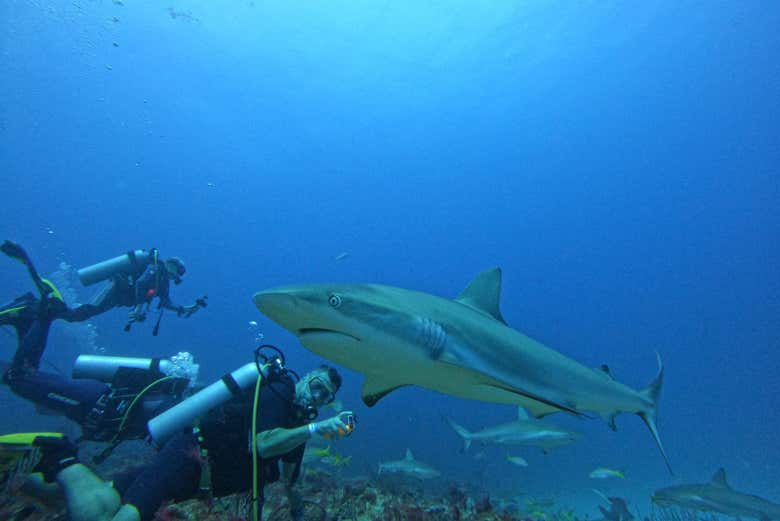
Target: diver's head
x,y
318,387
175,268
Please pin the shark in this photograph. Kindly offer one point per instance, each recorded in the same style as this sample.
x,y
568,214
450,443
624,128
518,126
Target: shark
x,y
461,347
523,431
409,467
717,496
618,510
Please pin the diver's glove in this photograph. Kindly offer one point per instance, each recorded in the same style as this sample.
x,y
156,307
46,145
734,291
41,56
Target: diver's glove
x,y
340,425
57,454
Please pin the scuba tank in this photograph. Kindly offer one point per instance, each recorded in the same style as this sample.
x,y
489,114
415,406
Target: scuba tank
x,y
104,368
133,260
183,414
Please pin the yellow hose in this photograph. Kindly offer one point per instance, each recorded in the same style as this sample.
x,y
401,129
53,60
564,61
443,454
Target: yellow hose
x,y
254,447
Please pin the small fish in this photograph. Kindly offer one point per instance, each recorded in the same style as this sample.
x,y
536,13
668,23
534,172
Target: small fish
x,y
605,473
312,454
341,256
252,323
338,460
517,460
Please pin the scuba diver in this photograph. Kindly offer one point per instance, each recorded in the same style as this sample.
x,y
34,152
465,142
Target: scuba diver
x,y
32,318
260,401
135,279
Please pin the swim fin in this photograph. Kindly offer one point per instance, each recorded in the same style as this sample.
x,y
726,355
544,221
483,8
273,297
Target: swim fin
x,y
15,251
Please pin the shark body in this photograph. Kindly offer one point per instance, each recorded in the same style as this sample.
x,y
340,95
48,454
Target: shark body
x,y
461,347
409,466
717,496
523,431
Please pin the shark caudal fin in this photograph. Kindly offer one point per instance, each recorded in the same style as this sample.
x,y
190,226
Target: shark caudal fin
x,y
653,392
462,432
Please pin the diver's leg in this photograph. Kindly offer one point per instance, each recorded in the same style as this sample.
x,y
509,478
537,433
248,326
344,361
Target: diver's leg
x,y
108,298
31,345
173,475
74,399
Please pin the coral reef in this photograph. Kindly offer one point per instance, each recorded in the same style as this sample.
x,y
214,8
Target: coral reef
x,y
329,497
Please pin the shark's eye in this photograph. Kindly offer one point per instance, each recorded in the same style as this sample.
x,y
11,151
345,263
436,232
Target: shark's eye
x,y
334,300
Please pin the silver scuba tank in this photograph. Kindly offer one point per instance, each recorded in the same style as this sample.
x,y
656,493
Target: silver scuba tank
x,y
183,414
125,263
104,368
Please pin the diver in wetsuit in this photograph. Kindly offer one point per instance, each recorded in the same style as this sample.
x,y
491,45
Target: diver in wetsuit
x,y
135,279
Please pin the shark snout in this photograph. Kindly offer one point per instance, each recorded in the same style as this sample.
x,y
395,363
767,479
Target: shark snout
x,y
279,305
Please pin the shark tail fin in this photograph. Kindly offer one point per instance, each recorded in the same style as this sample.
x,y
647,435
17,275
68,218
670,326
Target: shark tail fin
x,y
462,432
653,392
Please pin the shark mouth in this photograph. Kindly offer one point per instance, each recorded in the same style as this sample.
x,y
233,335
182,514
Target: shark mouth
x,y
320,331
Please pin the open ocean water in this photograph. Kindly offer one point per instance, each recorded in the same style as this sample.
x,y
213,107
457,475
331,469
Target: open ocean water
x,y
618,160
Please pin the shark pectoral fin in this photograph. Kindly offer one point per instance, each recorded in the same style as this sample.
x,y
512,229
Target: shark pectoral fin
x,y
376,387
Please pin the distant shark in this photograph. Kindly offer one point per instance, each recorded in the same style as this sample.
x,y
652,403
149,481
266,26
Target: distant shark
x,y
409,467
523,431
717,496
618,510
461,347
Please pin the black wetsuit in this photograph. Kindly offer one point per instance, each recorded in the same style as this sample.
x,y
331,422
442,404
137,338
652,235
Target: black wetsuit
x,y
175,473
32,318
135,289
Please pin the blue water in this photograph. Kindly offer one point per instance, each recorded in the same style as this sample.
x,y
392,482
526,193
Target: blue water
x,y
618,160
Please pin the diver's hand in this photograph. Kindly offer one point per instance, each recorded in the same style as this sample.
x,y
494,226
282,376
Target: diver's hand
x,y
136,316
333,427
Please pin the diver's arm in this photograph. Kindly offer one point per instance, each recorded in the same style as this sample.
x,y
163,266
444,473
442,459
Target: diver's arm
x,y
167,303
185,311
274,442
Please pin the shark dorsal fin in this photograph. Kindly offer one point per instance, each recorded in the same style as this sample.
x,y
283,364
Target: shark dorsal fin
x,y
409,456
483,293
719,478
522,414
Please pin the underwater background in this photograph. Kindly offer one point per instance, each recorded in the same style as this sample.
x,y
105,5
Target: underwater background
x,y
618,160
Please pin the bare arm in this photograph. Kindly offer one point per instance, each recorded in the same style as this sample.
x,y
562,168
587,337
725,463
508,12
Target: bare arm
x,y
278,441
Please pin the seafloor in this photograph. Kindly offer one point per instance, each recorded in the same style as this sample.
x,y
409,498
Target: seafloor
x,y
329,496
